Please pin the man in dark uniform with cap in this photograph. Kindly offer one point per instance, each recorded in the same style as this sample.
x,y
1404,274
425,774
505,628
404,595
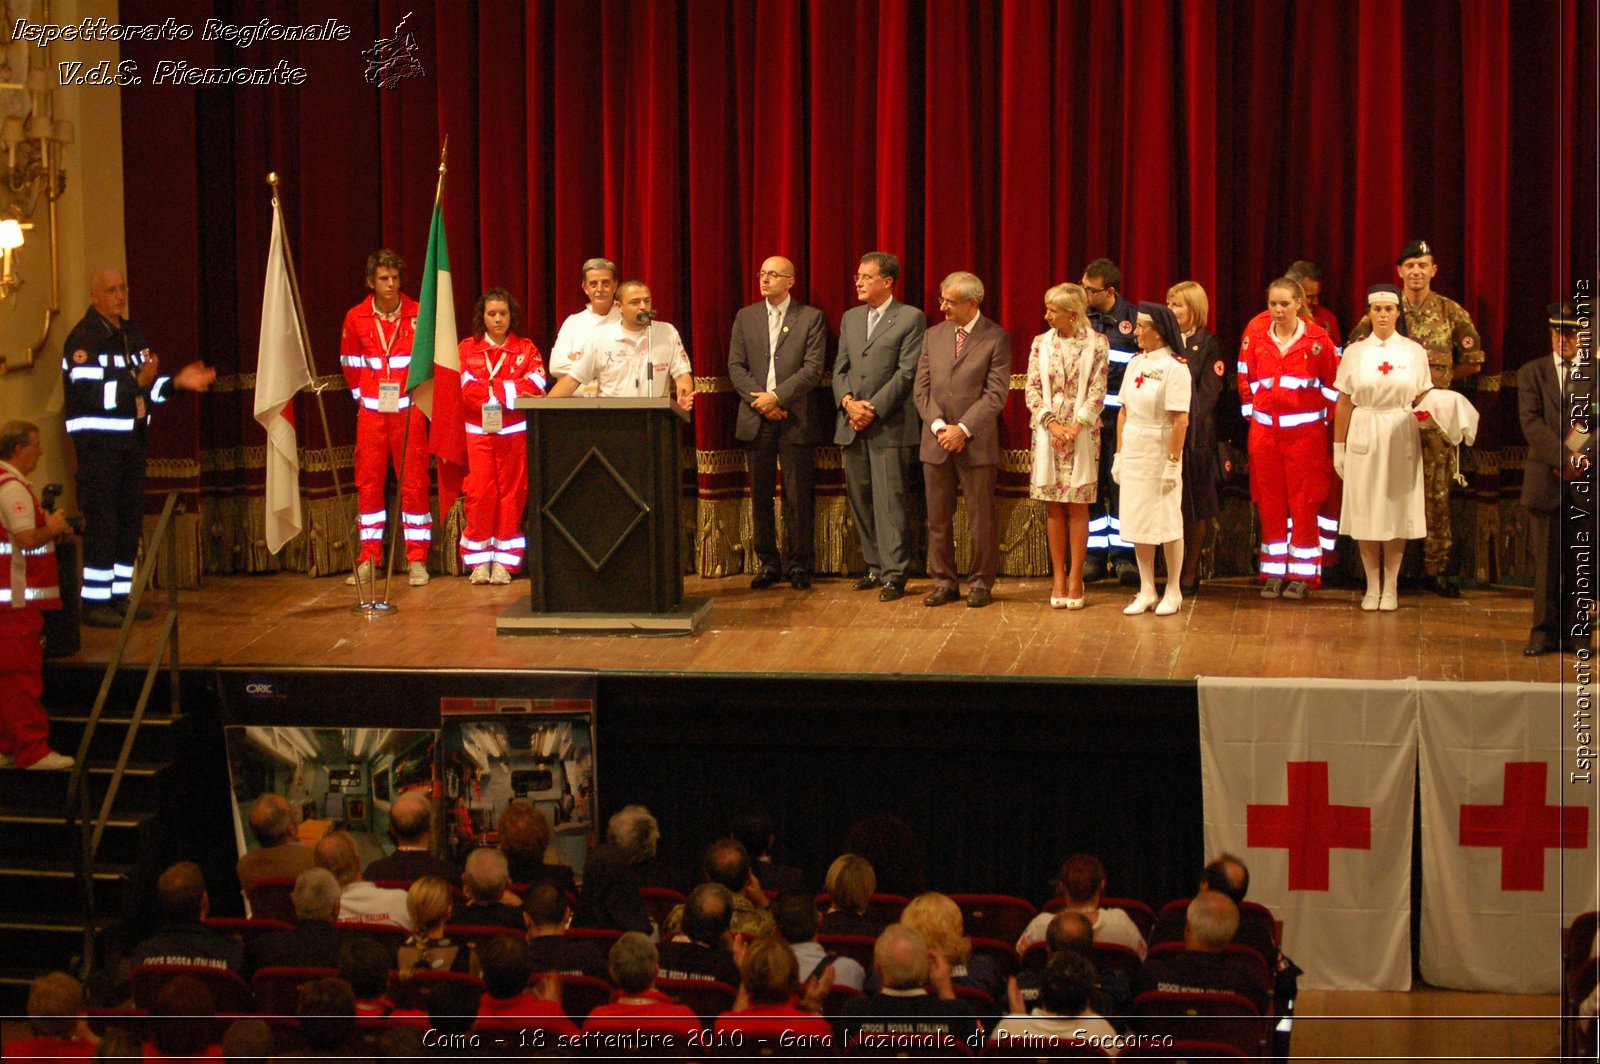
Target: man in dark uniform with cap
x,y
1455,352
1555,403
1112,317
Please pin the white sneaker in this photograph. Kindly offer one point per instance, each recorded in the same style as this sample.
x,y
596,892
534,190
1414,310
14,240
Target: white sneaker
x,y
1170,603
363,574
1369,601
1297,590
418,574
1139,605
480,574
1272,588
52,762
498,574
1389,602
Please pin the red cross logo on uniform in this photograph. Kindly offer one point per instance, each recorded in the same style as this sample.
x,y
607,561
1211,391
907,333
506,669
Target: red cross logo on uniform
x,y
1523,826
1308,827
1385,368
1138,381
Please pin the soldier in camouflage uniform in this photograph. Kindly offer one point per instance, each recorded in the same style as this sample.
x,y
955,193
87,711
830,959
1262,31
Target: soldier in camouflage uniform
x,y
1455,352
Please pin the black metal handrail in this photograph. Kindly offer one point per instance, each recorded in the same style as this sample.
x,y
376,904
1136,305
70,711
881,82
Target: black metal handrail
x,y
80,822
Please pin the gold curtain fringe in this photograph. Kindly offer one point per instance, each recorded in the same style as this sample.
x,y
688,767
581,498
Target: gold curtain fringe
x,y
185,529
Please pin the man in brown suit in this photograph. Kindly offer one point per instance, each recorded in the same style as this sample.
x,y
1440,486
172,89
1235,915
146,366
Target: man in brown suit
x,y
279,853
963,377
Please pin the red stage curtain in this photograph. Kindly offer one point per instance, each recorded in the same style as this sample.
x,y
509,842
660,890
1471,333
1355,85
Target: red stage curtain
x,y
1216,140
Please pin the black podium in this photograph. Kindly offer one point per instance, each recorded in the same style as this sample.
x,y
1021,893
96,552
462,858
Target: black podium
x,y
603,520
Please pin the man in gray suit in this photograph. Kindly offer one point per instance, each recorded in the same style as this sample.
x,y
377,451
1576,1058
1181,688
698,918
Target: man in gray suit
x,y
1555,402
775,362
963,378
872,377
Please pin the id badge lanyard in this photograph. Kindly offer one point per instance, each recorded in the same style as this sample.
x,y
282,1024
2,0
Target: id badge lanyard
x,y
493,412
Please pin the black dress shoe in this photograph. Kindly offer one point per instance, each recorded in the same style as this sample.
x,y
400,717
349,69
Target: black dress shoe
x,y
102,616
1189,590
1444,588
800,580
1094,568
1127,573
891,591
942,596
765,578
867,583
1538,645
978,598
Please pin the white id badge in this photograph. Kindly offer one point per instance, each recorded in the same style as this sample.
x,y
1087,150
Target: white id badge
x,y
388,397
493,416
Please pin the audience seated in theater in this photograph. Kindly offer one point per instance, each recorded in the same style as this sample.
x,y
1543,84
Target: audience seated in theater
x,y
639,1006
184,939
180,1023
359,901
507,1001
700,950
1203,966
485,881
1063,1013
851,883
327,1016
795,913
429,907
1069,932
610,894
1080,886
727,864
313,941
525,837
365,964
452,1008
1227,874
904,967
411,826
752,826
247,1041
279,852
937,919
639,834
402,1043
894,851
545,913
56,1024
766,1008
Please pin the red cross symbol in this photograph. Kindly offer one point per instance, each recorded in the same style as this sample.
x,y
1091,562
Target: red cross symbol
x,y
1138,381
1385,368
1308,827
1523,827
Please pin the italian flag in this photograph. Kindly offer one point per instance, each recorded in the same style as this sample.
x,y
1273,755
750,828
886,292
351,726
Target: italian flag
x,y
435,380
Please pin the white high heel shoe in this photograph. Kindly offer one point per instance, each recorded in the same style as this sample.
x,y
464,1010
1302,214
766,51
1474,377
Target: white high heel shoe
x,y
1140,604
1170,603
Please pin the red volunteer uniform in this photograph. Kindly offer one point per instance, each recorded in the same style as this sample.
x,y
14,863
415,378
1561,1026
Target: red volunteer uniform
x,y
30,587
497,460
1289,397
375,351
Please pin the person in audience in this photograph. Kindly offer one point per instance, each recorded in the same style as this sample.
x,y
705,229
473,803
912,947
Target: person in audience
x,y
401,1043
327,1016
938,920
429,907
1228,875
453,1007
851,883
1070,932
1080,886
411,825
247,1041
895,851
56,1024
701,948
1063,1013
1208,372
359,901
610,897
727,864
180,1023
507,1002
795,914
636,830
752,826
278,852
1211,921
905,967
364,963
485,881
766,1008
184,937
545,914
1066,393
525,836
313,941
639,1006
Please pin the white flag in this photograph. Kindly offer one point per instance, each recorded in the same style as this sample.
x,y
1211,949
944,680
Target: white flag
x,y
280,373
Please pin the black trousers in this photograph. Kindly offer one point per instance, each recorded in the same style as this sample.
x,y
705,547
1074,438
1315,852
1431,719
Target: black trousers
x,y
799,475
111,496
1557,593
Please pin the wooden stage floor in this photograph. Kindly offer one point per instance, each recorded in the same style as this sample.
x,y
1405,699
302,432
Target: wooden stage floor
x,y
1228,630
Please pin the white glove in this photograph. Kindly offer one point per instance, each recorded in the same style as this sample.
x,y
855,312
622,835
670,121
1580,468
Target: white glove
x,y
1338,459
1116,468
1169,475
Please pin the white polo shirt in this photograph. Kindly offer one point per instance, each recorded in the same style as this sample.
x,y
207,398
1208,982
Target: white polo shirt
x,y
631,364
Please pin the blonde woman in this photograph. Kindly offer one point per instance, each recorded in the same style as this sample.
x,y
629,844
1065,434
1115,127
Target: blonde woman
x,y
430,905
938,919
1066,392
1208,372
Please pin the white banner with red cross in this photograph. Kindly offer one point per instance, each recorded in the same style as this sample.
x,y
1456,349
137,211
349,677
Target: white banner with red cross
x,y
1311,784
1508,834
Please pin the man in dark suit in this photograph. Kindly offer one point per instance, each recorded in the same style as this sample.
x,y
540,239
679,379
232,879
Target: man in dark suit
x,y
872,377
411,824
314,940
1555,402
963,378
775,361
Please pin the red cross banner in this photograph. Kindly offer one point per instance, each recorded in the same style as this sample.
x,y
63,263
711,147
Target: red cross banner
x,y
1508,838
1311,785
